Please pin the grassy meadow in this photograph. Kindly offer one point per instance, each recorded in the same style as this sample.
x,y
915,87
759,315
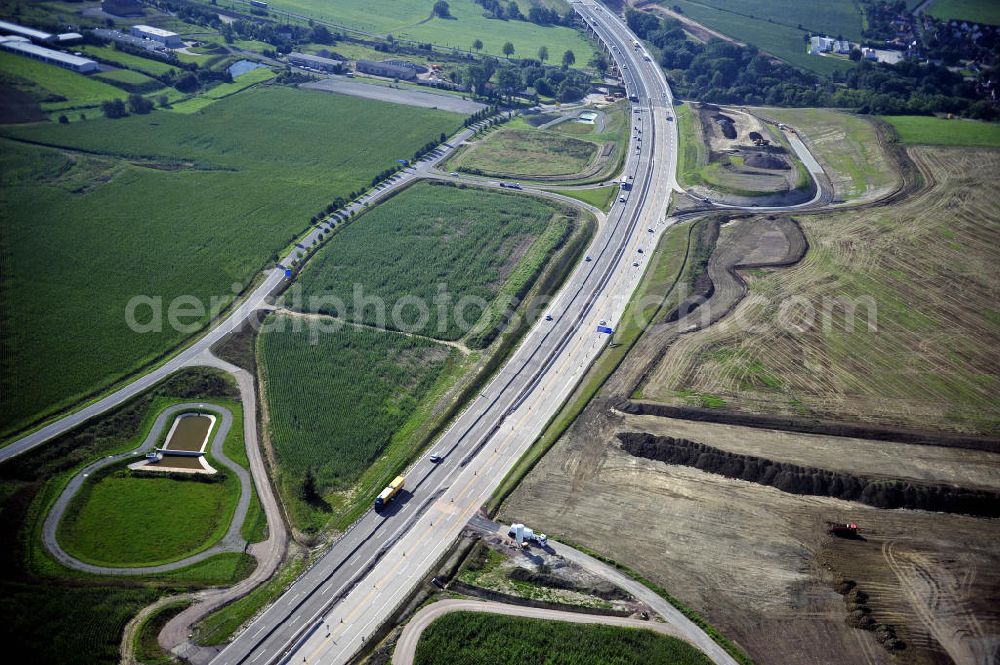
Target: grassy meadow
x,y
978,11
461,638
599,197
411,19
926,130
774,26
527,153
58,88
220,192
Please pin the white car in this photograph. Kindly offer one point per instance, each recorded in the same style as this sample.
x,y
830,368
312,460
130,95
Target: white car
x,y
621,199
435,457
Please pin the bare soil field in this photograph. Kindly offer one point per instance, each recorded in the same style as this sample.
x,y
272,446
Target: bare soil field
x,y
919,278
758,563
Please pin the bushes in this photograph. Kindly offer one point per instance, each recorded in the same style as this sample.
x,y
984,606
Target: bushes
x,y
795,479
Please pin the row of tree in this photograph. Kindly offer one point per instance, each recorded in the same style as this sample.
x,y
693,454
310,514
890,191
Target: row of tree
x,y
796,479
537,14
724,73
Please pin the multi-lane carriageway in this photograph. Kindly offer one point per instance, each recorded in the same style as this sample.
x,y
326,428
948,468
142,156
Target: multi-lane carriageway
x,y
329,612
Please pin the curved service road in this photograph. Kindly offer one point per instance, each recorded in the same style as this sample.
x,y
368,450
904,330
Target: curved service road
x,y
407,645
231,542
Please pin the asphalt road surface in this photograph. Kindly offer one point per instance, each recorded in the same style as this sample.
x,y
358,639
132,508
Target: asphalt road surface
x,y
329,612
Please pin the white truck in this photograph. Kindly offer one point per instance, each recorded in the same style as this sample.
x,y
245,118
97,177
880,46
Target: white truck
x,y
522,534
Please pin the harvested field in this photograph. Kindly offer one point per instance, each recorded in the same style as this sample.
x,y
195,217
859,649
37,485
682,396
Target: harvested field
x,y
514,152
930,362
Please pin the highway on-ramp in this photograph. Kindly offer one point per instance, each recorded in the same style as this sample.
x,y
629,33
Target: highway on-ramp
x,y
329,612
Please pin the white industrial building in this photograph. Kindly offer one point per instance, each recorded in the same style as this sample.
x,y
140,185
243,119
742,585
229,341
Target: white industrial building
x,y
22,31
165,37
315,62
65,60
818,45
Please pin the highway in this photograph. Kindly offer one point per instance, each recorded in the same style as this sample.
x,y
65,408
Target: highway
x,y
329,612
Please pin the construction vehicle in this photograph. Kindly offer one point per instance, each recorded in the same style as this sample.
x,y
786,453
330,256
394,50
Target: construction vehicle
x,y
390,491
842,529
522,534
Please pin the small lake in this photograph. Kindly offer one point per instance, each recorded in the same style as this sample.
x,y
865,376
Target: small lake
x,y
243,66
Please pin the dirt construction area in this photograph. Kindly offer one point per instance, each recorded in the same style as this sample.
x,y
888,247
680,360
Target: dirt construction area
x,y
759,562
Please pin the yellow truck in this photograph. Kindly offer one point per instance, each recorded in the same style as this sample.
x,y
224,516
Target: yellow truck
x,y
392,490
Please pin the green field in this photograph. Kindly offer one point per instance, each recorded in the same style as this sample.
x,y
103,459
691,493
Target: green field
x,y
915,129
56,87
979,11
37,594
220,192
599,197
747,21
145,65
408,19
480,244
461,638
847,143
337,400
124,520
126,76
527,153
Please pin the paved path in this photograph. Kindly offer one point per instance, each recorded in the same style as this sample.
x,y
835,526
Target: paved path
x,y
269,553
231,542
401,95
407,644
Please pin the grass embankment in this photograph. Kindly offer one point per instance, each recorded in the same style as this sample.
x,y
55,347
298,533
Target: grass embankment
x,y
412,19
488,639
257,164
780,26
599,197
656,293
58,88
847,144
38,596
692,152
146,649
878,307
924,130
137,63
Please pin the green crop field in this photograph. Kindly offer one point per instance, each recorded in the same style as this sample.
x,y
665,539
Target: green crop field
x,y
480,244
219,193
56,87
123,520
338,399
980,11
461,638
520,152
411,19
781,35
126,76
145,65
926,130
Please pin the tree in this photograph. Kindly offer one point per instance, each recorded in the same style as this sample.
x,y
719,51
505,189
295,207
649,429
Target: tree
x,y
854,55
322,35
63,120
187,83
139,104
508,80
568,59
308,491
600,63
441,9
477,45
508,49
543,53
114,108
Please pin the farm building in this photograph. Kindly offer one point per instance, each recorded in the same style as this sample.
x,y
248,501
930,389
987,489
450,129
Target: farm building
x,y
165,37
818,45
315,62
389,70
22,31
58,58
